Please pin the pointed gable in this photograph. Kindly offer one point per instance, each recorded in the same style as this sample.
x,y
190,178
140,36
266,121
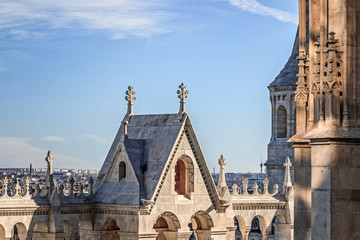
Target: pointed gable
x,y
150,145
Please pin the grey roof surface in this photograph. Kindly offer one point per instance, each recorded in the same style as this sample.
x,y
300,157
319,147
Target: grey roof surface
x,y
287,76
149,141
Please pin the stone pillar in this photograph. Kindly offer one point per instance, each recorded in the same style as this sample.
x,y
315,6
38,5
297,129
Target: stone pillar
x,y
203,234
283,231
183,235
171,235
302,191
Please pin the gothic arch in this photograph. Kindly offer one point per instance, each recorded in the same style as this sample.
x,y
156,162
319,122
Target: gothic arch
x,y
19,231
281,122
172,222
184,175
2,232
202,220
122,170
110,230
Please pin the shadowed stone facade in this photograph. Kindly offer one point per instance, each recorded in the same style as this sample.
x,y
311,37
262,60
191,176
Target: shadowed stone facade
x,y
327,140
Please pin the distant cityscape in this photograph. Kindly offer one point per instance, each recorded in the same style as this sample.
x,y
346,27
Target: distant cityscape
x,y
38,176
81,177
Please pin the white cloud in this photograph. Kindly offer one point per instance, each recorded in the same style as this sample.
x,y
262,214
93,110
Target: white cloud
x,y
254,6
97,139
53,139
122,18
18,153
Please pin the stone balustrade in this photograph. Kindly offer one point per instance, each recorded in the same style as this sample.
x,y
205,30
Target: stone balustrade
x,y
22,188
255,191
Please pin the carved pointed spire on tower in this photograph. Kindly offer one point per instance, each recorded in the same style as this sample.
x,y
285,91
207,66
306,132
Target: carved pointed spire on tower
x,y
49,174
182,95
130,98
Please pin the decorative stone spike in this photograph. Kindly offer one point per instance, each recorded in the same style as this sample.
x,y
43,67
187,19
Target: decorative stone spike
x,y
265,183
18,190
27,185
71,187
222,181
130,98
182,95
37,191
235,189
5,182
255,188
61,191
276,189
245,183
49,174
91,185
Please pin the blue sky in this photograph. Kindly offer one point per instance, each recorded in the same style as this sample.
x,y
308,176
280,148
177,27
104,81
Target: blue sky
x,y
65,66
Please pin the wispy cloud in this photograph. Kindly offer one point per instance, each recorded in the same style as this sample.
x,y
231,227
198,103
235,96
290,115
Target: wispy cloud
x,y
3,68
53,139
18,152
97,139
122,18
256,7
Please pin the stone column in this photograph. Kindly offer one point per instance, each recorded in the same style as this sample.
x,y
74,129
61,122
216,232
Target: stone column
x,y
302,191
183,235
203,234
283,231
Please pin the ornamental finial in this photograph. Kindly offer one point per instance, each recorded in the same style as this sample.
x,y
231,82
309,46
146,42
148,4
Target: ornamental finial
x,y
49,175
130,97
287,178
182,95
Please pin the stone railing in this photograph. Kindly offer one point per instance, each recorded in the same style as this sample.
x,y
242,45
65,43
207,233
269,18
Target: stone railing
x,y
236,190
24,189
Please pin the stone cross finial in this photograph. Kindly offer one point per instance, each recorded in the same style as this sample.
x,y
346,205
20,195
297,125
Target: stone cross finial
x,y
287,179
222,181
130,98
182,95
49,160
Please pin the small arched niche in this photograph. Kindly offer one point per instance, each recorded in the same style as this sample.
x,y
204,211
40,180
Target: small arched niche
x,y
122,170
281,122
184,176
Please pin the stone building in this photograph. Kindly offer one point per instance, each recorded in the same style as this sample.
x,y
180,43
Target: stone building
x,y
283,117
327,140
154,184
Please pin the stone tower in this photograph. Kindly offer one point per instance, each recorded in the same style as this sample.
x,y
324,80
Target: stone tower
x,y
327,140
283,120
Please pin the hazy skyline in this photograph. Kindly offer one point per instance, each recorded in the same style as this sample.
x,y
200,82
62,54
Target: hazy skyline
x,y
65,67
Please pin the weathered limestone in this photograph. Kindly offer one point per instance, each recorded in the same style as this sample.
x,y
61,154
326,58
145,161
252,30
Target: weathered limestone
x,y
327,142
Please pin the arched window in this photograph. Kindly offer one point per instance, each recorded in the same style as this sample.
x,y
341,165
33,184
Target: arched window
x,y
281,122
122,170
180,177
184,176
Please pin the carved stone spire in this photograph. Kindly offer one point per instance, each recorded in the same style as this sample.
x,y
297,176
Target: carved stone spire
x,y
287,178
222,181
182,95
130,97
49,175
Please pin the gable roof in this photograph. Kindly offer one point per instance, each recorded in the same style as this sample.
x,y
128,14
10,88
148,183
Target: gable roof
x,y
148,143
151,144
